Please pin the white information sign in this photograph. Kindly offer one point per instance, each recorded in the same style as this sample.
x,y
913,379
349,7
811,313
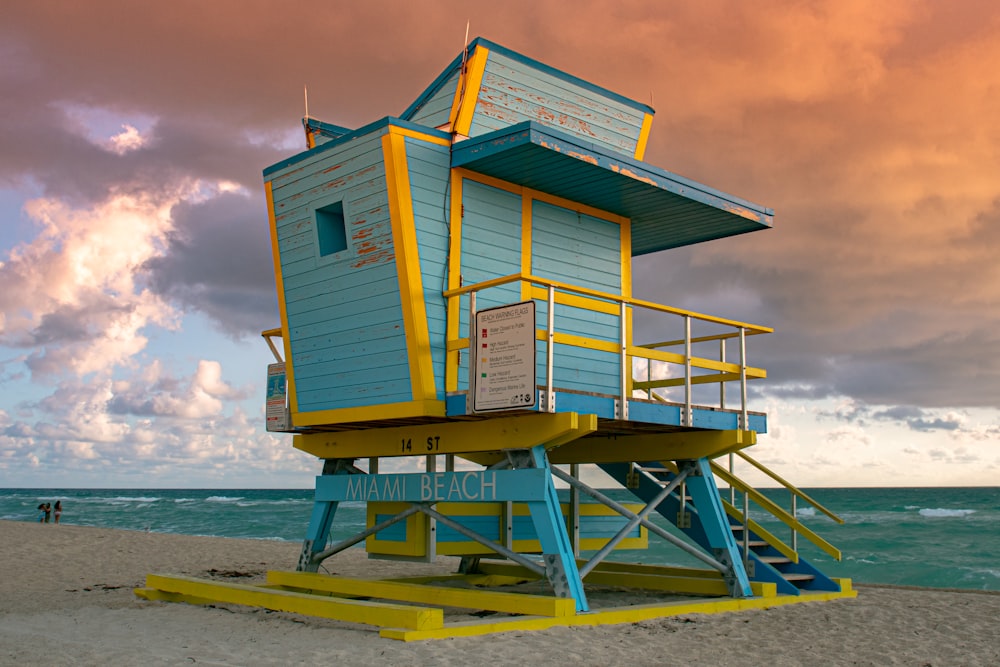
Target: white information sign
x,y
277,408
504,374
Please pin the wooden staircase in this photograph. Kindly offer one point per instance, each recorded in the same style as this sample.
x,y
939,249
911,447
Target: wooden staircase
x,y
765,557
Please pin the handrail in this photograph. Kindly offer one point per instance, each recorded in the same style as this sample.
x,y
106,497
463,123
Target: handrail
x,y
788,485
267,335
588,299
779,513
751,329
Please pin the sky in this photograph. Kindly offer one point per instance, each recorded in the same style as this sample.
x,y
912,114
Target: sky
x,y
135,264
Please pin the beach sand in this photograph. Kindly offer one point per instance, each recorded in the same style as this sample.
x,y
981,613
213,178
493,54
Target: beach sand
x,y
66,599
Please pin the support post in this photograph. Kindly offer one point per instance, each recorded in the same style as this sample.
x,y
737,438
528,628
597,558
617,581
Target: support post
x,y
557,550
322,519
705,497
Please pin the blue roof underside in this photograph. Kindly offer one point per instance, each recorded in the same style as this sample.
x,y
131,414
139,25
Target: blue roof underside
x,y
666,210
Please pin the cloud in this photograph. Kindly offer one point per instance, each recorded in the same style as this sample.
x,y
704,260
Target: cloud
x,y
156,393
862,126
188,429
71,294
218,261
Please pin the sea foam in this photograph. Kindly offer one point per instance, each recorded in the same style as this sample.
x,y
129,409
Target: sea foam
x,y
936,513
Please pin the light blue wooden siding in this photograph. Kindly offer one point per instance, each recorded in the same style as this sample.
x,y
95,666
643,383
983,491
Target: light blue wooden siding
x,y
491,248
344,313
514,91
429,167
436,110
585,251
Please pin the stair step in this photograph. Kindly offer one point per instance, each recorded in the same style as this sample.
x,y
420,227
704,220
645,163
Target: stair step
x,y
774,560
797,576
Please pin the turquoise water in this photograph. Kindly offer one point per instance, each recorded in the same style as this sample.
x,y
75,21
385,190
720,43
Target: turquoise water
x,y
940,537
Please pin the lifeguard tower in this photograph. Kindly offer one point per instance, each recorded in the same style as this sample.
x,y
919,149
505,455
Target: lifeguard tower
x,y
458,333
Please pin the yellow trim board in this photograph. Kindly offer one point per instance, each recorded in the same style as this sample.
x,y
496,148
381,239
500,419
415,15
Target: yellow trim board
x,y
282,309
514,603
370,412
419,623
653,447
453,357
467,92
550,429
640,144
610,616
411,290
356,611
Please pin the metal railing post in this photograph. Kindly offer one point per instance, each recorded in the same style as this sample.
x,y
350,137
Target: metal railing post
x,y
470,397
722,383
746,527
688,417
550,397
625,372
744,421
795,535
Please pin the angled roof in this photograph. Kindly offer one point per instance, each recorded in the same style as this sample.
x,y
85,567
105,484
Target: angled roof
x,y
667,210
456,65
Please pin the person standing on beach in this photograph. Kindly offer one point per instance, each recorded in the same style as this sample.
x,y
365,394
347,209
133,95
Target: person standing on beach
x,y
41,513
58,510
48,511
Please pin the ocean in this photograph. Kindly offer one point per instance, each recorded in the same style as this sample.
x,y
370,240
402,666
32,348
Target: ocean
x,y
936,537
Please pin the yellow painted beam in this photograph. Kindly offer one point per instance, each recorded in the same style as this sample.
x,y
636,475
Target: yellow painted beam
x,y
611,616
679,445
513,603
411,291
467,94
662,570
401,410
155,595
584,303
455,437
282,309
653,582
453,358
640,144
776,510
355,611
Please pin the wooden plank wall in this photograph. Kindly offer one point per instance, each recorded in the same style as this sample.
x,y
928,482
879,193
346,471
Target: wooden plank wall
x,y
581,250
344,313
514,91
436,110
429,167
491,248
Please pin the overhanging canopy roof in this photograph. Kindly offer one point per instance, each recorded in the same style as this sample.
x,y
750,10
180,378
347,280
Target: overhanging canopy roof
x,y
667,210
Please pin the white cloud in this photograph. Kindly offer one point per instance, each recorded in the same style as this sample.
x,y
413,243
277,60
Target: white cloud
x,y
129,139
73,294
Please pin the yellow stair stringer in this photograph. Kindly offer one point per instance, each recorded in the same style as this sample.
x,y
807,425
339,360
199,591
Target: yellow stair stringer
x,y
778,512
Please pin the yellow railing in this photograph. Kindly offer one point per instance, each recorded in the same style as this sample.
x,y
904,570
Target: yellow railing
x,y
655,361
789,518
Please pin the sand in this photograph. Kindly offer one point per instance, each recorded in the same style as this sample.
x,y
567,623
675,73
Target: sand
x,y
66,599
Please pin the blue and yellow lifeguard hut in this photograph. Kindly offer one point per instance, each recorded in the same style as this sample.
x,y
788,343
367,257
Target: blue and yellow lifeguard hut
x,y
455,287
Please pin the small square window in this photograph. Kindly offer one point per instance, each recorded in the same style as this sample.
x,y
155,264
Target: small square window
x,y
331,229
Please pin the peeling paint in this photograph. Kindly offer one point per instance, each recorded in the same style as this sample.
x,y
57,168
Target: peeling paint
x,y
375,258
590,159
742,211
631,174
